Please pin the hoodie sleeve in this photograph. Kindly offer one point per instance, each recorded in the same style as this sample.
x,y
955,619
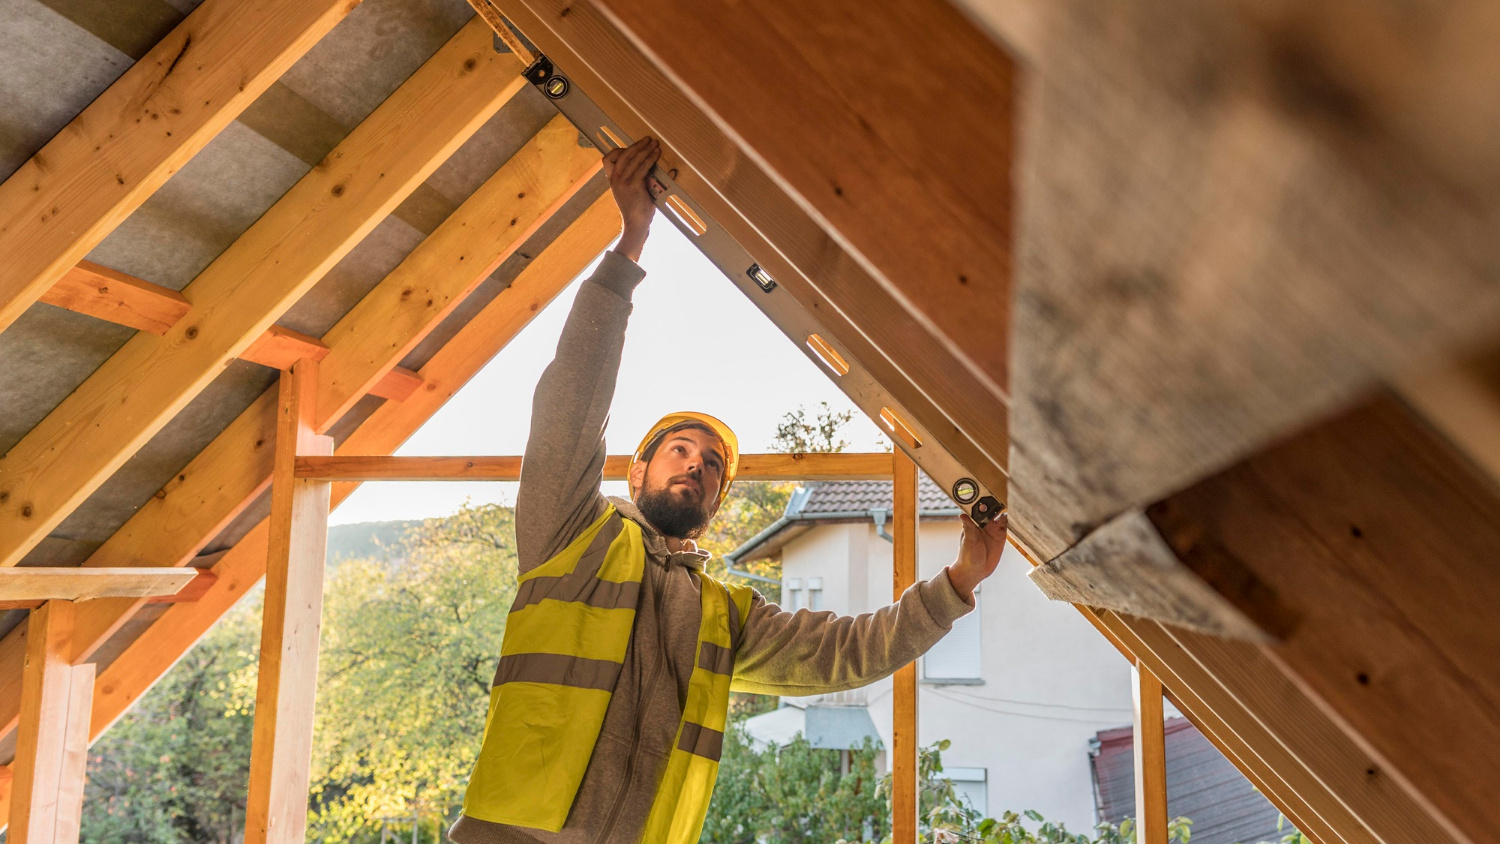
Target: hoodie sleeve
x,y
564,462
806,652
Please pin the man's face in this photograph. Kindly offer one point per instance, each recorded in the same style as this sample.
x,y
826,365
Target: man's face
x,y
679,486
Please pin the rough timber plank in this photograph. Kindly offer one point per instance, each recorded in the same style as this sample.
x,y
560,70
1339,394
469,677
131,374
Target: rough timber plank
x,y
142,386
228,474
1126,566
134,136
1237,217
1462,400
105,294
1381,538
281,750
81,584
858,315
241,567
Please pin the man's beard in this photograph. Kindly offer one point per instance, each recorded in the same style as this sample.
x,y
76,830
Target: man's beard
x,y
674,515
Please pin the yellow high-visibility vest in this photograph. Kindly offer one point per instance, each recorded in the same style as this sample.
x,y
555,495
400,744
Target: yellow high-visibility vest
x,y
564,647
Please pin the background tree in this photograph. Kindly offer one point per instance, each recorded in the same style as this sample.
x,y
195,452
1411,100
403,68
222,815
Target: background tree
x,y
175,767
409,656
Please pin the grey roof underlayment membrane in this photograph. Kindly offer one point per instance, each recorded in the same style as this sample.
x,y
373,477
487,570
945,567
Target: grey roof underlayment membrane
x,y
56,56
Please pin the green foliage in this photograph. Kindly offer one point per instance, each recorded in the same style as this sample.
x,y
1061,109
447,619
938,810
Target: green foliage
x,y
174,769
797,434
408,658
796,794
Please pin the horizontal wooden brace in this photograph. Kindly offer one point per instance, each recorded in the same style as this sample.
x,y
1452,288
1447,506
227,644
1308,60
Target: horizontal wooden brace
x,y
107,294
35,583
753,467
101,292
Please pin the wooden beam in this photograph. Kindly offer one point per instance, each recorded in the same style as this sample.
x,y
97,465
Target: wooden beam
x,y
203,580
240,568
125,300
511,206
47,791
236,467
1312,752
1126,566
397,384
280,347
64,201
110,295
1379,536
922,379
1313,809
81,584
141,387
753,467
281,750
1462,400
75,754
1150,743
1329,788
863,136
905,768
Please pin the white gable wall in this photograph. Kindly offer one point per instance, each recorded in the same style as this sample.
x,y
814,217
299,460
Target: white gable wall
x,y
1049,681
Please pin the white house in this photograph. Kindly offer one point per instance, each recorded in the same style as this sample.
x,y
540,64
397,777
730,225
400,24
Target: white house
x,y
1021,685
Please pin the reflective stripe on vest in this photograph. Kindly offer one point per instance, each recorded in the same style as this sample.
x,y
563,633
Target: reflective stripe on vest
x,y
682,798
564,646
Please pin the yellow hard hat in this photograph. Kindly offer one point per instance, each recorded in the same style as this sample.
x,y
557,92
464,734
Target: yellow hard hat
x,y
686,419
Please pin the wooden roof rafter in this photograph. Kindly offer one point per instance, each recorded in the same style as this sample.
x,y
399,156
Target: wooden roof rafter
x,y
239,568
58,463
864,322
379,331
132,138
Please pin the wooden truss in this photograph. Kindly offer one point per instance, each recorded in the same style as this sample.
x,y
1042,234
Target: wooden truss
x,y
1300,558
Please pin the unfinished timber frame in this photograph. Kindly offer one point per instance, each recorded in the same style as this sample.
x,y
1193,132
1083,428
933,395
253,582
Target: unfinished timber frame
x,y
1231,364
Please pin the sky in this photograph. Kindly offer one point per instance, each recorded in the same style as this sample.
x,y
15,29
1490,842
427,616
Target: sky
x,y
695,342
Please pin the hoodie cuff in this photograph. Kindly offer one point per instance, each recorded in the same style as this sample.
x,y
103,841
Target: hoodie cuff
x,y
942,601
618,274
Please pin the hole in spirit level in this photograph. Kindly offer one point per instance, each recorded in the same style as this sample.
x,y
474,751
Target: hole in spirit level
x,y
686,215
899,429
830,358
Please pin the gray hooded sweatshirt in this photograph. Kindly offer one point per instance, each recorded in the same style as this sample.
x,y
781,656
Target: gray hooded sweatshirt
x,y
780,652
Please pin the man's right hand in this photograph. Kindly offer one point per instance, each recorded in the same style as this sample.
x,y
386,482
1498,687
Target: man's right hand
x,y
627,170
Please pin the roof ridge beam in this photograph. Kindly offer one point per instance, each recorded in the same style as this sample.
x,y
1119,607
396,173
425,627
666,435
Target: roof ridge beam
x,y
133,137
237,297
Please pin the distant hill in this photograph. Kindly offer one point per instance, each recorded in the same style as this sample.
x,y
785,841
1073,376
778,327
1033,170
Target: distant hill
x,y
377,540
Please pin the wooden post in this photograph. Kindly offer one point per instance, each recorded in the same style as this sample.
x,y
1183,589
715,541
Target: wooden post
x,y
904,762
52,747
1150,759
281,751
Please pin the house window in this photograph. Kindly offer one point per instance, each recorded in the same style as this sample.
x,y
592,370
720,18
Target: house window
x,y
956,657
793,590
815,593
972,786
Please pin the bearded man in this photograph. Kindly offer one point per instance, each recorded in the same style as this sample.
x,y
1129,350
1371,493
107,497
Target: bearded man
x,y
608,708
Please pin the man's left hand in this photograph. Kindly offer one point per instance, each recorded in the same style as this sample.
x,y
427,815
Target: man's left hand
x,y
978,554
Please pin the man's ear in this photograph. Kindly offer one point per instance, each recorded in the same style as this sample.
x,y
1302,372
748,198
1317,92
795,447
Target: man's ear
x,y
637,477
